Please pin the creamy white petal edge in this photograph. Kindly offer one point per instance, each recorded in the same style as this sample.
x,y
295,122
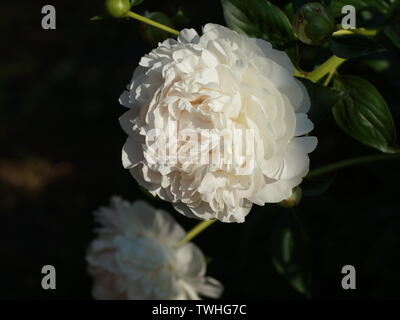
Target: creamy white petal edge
x,y
220,80
134,256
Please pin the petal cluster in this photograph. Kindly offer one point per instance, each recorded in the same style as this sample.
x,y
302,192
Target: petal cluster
x,y
135,256
220,84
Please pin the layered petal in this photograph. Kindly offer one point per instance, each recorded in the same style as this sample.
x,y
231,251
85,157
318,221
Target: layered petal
x,y
236,112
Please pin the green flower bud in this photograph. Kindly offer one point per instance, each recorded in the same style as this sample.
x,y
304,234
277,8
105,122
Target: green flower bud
x,y
313,23
118,8
293,200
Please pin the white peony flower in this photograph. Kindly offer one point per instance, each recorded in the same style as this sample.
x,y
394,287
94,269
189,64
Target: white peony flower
x,y
219,83
135,256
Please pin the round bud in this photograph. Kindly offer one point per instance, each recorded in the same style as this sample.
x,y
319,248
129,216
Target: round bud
x,y
313,23
293,200
117,8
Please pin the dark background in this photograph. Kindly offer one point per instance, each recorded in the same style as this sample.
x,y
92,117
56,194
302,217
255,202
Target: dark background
x,y
60,147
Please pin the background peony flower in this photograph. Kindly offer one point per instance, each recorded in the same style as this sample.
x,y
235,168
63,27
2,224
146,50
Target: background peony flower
x,y
134,256
220,81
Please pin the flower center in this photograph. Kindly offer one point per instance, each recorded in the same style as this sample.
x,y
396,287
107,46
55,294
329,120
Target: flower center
x,y
198,101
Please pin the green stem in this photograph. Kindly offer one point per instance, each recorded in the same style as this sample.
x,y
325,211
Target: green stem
x,y
152,22
329,66
351,162
361,31
329,78
299,74
195,231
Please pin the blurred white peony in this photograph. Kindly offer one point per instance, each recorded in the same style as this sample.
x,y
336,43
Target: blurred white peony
x,y
135,256
219,83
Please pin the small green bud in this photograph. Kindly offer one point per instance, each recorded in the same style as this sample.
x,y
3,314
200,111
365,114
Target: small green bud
x,y
313,23
118,8
293,200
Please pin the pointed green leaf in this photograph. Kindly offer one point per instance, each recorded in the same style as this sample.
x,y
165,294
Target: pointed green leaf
x,y
337,5
364,115
261,19
316,186
290,252
322,99
136,2
392,30
299,3
354,46
95,18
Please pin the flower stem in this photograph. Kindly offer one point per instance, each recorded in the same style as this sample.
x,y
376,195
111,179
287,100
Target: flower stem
x,y
361,31
329,77
153,23
351,162
299,74
328,67
195,231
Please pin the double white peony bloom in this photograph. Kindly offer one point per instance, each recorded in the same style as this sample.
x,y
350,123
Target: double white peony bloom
x,y
135,256
220,84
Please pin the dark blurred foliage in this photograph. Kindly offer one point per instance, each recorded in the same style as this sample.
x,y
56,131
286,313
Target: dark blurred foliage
x,y
60,146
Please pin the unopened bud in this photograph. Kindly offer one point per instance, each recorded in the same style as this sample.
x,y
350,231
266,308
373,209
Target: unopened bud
x,y
117,8
313,23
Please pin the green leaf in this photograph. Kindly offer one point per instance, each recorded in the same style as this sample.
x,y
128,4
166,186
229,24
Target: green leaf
x,y
316,186
288,10
322,99
95,18
393,33
136,2
337,5
364,115
290,252
378,65
153,35
392,30
253,256
354,46
369,13
260,19
299,3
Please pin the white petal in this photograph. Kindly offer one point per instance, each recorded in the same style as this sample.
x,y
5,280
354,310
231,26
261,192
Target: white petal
x,y
132,153
124,99
292,162
307,144
280,57
209,59
213,31
278,191
291,87
303,124
127,120
211,182
211,288
167,229
304,104
188,36
191,261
